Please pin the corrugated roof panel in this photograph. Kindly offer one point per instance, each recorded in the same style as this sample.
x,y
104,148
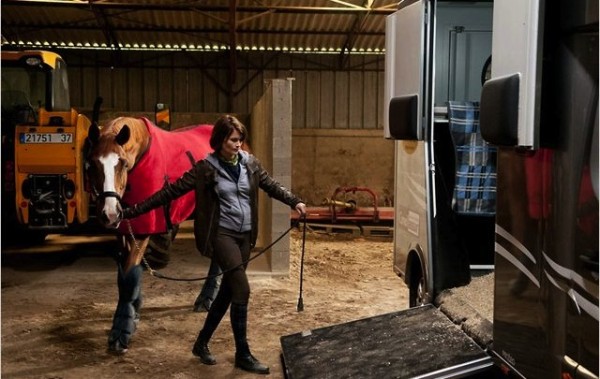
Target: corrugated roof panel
x,y
273,24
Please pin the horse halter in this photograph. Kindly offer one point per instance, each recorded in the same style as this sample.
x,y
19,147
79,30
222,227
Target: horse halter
x,y
106,194
92,188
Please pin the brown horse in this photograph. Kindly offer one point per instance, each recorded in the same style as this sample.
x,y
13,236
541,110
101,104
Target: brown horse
x,y
128,160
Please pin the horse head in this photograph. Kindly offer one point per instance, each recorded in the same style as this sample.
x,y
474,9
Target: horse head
x,y
112,152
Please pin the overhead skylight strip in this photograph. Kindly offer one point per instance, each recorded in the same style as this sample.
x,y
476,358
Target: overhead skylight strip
x,y
190,47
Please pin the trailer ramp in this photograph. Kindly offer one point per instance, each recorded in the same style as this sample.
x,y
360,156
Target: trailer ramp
x,y
414,343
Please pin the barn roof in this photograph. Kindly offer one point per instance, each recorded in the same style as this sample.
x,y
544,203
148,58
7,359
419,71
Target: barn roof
x,y
332,26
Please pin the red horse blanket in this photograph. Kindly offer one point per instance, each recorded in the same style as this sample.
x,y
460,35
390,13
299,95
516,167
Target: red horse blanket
x,y
166,159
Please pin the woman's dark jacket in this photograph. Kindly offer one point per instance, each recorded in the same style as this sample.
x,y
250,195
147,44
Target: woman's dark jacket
x,y
202,178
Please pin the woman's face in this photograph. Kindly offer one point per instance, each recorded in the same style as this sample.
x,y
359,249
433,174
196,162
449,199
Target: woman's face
x,y
232,145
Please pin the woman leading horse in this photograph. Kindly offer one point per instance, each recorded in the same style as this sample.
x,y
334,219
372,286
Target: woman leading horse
x,y
226,186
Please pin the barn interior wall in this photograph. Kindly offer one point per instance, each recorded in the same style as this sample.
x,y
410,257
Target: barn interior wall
x,y
337,112
324,160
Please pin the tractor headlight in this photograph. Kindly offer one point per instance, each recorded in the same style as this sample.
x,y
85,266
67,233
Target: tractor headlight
x,y
33,61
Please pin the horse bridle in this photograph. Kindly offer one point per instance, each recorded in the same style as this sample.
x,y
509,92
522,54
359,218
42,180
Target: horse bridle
x,y
106,194
97,194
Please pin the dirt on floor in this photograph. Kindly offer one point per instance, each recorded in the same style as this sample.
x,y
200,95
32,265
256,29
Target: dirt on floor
x,y
57,307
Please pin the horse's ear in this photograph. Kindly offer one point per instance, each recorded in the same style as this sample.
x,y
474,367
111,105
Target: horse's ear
x,y
123,135
94,133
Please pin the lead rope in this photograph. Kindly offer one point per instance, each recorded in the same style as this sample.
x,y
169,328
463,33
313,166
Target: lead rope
x,y
157,274
138,248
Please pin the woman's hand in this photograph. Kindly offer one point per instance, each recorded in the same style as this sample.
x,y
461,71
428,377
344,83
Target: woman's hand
x,y
301,209
129,212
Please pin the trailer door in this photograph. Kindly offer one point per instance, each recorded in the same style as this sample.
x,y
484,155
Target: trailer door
x,y
517,49
407,111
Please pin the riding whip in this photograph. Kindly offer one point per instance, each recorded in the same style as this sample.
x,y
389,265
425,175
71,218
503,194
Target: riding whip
x,y
300,301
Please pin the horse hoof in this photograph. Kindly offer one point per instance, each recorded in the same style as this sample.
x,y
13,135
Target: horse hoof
x,y
116,347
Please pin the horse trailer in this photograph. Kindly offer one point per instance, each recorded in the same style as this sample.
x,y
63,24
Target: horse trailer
x,y
493,106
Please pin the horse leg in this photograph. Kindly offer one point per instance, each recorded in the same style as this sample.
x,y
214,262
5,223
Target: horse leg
x,y
210,288
129,280
133,260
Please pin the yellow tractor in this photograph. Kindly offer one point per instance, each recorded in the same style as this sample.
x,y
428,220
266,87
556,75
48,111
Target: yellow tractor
x,y
42,141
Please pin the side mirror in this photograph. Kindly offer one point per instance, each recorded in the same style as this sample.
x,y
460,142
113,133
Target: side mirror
x,y
162,116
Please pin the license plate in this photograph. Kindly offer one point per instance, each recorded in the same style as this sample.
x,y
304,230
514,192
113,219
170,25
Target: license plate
x,y
46,137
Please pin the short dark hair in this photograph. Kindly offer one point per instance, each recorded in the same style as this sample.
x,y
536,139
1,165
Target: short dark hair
x,y
223,128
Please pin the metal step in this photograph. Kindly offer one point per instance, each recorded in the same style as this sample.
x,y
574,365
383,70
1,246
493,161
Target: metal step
x,y
414,343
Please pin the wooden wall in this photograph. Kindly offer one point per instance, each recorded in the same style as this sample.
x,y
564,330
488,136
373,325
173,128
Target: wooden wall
x,y
325,96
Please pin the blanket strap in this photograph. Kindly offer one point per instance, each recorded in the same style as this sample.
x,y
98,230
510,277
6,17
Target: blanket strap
x,y
190,157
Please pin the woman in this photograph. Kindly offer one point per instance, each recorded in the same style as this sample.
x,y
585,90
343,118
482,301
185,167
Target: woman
x,y
225,227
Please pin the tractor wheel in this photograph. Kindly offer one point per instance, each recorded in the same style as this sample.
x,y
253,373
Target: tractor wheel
x,y
417,288
15,236
158,252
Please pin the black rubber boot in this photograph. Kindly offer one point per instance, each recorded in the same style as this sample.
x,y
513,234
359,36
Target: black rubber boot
x,y
202,351
249,363
243,358
213,319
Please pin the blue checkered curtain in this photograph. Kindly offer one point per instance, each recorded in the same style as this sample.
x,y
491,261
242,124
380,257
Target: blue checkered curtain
x,y
475,184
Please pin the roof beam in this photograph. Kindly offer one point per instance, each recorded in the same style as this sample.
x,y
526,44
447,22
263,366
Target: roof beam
x,y
356,29
107,30
232,52
158,29
182,6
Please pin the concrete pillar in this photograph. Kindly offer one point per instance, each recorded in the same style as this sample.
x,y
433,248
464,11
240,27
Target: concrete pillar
x,y
271,142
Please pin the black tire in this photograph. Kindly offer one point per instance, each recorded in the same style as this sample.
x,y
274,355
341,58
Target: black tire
x,y
417,288
35,237
16,236
158,252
